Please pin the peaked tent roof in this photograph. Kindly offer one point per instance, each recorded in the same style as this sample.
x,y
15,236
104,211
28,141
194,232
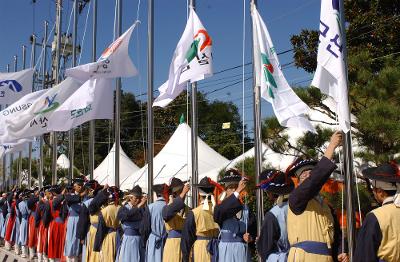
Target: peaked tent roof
x,y
174,160
63,162
105,172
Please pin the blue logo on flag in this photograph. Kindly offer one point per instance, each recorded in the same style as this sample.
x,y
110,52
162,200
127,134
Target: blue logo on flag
x,y
13,85
335,4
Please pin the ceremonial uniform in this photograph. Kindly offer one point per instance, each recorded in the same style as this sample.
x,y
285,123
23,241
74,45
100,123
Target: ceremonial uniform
x,y
273,244
379,237
199,228
32,228
153,230
174,220
131,248
10,222
313,233
44,217
107,235
23,229
72,244
2,215
57,229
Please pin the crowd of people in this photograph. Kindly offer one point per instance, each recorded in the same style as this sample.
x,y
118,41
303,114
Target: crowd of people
x,y
86,221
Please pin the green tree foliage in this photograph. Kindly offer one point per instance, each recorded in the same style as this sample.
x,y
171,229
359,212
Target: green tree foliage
x,y
373,56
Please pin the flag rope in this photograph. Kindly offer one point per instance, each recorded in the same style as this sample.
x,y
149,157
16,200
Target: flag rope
x,y
84,35
45,42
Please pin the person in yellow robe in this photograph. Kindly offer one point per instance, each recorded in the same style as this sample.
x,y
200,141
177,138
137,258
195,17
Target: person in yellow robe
x,y
312,232
107,235
200,231
174,217
379,236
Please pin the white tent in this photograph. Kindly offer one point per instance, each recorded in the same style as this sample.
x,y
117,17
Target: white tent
x,y
105,172
63,162
174,160
271,158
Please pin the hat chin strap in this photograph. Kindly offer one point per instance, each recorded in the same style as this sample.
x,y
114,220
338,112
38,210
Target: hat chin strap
x,y
396,197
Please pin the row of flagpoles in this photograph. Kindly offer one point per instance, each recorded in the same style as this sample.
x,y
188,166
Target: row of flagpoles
x,y
86,93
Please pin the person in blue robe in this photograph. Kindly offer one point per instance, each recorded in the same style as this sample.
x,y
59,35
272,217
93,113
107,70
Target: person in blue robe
x,y
237,225
131,215
153,230
3,206
72,247
23,229
272,243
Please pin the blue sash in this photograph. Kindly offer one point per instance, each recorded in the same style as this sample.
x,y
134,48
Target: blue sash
x,y
314,247
175,234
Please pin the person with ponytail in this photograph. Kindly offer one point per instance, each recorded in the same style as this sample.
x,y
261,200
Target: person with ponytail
x,y
200,231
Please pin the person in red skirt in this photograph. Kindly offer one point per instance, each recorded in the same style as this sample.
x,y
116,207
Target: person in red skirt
x,y
32,229
11,199
44,218
57,227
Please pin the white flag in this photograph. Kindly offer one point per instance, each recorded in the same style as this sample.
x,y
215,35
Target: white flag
x,y
288,107
35,120
114,61
17,108
15,85
14,147
330,75
93,100
192,61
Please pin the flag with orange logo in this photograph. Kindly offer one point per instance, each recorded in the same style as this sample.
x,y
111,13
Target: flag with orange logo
x,y
192,61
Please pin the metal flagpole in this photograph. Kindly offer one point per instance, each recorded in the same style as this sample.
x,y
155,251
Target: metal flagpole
x,y
71,132
57,80
41,142
150,83
12,154
33,62
117,33
5,106
194,131
20,152
257,140
348,155
92,123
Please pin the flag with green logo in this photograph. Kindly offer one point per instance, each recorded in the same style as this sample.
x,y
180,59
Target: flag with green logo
x,y
192,61
288,107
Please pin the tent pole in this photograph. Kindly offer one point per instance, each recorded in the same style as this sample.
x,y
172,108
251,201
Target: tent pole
x,y
150,83
92,123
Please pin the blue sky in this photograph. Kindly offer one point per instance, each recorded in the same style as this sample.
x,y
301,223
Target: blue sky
x,y
222,18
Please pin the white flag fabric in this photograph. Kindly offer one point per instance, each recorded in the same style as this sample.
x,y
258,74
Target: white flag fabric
x,y
17,108
288,107
330,75
192,61
34,121
15,85
93,100
19,146
114,61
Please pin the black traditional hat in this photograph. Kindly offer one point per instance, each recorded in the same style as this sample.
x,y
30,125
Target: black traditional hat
x,y
176,184
299,166
79,181
232,176
276,182
91,184
115,194
45,188
205,185
388,172
55,189
160,189
136,191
